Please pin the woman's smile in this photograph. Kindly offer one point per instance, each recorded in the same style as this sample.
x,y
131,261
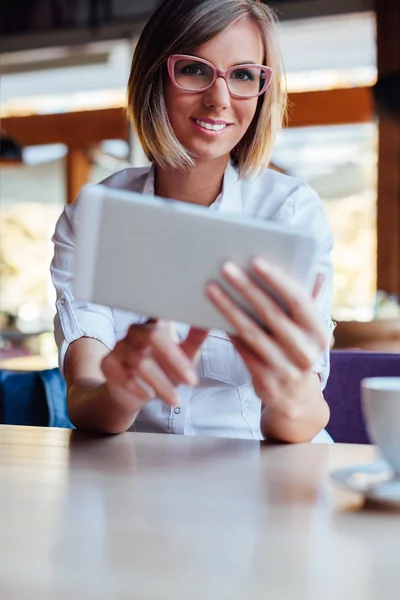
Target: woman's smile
x,y
209,127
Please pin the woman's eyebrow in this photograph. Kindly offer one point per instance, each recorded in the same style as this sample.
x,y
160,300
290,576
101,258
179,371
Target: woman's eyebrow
x,y
244,62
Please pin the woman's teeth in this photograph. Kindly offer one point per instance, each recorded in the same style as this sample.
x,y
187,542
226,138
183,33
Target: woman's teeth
x,y
211,126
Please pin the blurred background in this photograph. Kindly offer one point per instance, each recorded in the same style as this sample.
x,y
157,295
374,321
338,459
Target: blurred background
x,y
64,70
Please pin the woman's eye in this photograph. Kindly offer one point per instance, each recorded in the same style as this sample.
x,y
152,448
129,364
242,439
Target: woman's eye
x,y
243,75
192,70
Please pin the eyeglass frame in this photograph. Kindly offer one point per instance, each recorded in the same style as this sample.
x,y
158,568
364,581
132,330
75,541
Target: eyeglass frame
x,y
224,73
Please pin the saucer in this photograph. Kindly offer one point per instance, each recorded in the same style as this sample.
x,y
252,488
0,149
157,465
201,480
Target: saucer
x,y
376,481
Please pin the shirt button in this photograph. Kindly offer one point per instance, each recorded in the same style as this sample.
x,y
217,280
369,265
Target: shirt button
x,y
177,410
63,301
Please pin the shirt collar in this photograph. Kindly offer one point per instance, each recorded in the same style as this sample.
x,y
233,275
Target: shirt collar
x,y
148,187
228,201
231,197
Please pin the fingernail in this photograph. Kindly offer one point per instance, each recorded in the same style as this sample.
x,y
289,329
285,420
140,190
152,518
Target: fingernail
x,y
229,268
191,377
175,400
212,290
261,264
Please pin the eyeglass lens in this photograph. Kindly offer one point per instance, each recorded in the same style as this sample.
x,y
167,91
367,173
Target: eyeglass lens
x,y
195,76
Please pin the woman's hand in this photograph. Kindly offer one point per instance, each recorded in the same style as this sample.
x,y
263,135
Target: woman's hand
x,y
150,362
280,356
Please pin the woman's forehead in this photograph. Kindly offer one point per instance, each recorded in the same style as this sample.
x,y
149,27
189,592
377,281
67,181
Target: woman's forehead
x,y
241,42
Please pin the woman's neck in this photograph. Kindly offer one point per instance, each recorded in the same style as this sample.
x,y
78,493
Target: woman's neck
x,y
200,185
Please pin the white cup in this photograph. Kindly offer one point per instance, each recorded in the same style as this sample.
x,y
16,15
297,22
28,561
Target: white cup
x,y
381,408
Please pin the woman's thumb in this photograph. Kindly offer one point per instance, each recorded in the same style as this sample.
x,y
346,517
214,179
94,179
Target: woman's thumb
x,y
192,344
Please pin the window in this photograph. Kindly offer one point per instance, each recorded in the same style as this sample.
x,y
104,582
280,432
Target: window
x,y
340,163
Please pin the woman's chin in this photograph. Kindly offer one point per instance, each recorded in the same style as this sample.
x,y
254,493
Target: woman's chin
x,y
209,154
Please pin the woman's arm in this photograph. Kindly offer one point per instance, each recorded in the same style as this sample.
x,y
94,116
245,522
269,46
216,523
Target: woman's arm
x,y
280,356
302,418
90,405
106,390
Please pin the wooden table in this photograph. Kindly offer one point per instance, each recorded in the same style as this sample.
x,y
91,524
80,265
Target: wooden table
x,y
164,517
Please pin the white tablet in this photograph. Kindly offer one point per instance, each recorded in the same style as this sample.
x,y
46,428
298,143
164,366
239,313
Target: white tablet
x,y
154,256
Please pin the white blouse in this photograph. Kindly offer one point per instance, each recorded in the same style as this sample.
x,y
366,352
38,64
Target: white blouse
x,y
224,403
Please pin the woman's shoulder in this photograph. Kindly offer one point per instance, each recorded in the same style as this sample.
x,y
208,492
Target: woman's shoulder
x,y
131,178
271,192
273,181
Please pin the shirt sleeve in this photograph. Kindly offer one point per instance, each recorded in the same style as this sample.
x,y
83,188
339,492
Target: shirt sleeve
x,y
74,319
310,216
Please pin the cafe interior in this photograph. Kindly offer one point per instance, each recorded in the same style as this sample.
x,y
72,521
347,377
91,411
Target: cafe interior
x,y
169,517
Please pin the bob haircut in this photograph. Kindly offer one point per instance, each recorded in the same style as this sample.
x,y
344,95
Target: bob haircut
x,y
179,27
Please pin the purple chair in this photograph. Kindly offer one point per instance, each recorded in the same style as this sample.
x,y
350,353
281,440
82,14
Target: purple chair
x,y
342,393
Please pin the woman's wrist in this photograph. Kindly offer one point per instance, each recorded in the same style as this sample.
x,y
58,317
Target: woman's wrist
x,y
102,407
298,418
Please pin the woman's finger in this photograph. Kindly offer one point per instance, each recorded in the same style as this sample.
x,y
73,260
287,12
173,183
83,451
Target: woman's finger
x,y
148,370
154,376
115,372
145,380
266,380
193,342
299,304
149,340
174,360
299,346
139,336
173,374
266,383
259,342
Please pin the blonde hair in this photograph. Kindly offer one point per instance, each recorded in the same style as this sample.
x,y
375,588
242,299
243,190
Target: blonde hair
x,y
179,27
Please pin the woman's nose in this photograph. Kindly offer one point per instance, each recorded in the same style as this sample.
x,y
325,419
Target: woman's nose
x,y
218,95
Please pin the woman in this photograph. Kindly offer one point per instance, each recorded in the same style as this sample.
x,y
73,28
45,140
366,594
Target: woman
x,y
205,96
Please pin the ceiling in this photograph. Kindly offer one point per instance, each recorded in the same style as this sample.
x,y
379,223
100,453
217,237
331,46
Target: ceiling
x,y
62,75
41,26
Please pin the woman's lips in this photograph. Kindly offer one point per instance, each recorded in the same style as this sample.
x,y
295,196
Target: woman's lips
x,y
209,127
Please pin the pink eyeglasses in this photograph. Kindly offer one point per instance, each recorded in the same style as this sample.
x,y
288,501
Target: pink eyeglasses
x,y
195,75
